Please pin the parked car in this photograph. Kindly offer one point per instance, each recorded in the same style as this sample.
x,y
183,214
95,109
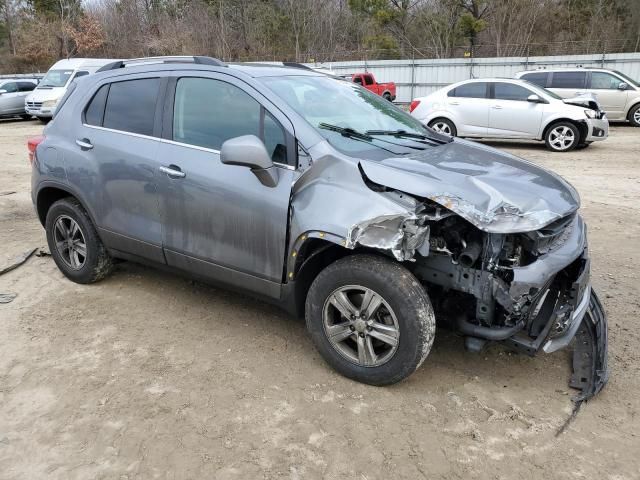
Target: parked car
x,y
12,94
506,108
617,94
43,100
367,80
323,198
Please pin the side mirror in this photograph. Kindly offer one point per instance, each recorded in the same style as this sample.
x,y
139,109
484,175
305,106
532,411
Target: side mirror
x,y
534,99
249,151
622,86
3,91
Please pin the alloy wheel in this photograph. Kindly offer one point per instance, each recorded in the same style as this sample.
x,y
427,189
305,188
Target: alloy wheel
x,y
361,326
636,116
561,137
442,127
70,242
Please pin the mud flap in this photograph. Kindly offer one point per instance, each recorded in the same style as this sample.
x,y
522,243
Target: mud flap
x,y
590,370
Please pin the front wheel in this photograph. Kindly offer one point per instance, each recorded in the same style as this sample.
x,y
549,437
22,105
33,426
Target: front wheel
x,y
562,137
387,96
444,126
370,319
634,116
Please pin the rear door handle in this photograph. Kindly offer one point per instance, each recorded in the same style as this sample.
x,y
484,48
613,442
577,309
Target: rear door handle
x,y
173,171
84,143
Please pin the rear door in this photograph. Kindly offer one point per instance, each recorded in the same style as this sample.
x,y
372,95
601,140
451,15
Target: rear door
x,y
113,162
468,105
219,221
604,86
12,100
568,84
511,115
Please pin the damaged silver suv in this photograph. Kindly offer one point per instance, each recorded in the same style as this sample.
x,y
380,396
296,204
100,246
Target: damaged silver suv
x,y
324,198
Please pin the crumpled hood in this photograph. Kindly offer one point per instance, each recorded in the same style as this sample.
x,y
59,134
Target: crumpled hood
x,y
585,100
495,191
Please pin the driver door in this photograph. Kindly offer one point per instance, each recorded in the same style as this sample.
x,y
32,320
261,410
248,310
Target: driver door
x,y
219,221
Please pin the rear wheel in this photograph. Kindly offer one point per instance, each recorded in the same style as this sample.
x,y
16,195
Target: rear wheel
x,y
26,117
443,125
74,243
387,96
370,319
562,137
634,116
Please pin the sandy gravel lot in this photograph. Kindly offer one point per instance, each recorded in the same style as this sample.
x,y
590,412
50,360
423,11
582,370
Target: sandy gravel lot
x,y
149,375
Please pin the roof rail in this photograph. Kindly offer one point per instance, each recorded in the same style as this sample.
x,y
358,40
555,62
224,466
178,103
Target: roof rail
x,y
196,59
296,65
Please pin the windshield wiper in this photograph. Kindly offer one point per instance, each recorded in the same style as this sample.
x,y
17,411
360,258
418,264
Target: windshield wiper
x,y
404,134
355,135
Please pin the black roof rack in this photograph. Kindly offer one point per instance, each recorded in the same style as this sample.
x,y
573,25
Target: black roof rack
x,y
296,65
196,59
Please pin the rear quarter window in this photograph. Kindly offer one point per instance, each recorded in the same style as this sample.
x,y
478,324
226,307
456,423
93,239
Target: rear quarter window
x,y
539,78
470,90
568,79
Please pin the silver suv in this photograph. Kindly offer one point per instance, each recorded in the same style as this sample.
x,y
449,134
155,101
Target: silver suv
x,y
322,197
617,94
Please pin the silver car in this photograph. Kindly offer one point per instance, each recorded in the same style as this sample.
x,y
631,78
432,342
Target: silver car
x,y
507,108
617,94
12,95
319,196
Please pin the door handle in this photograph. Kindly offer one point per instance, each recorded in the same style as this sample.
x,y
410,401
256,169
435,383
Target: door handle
x,y
497,107
173,171
84,144
454,103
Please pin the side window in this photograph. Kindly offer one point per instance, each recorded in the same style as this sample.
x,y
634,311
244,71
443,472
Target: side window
x,y
368,80
604,81
94,113
357,80
510,91
10,87
568,79
131,105
208,112
539,78
470,90
26,86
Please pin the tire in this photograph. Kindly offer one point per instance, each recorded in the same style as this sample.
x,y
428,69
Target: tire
x,y
44,120
404,316
634,116
583,145
387,96
444,126
562,137
87,265
26,117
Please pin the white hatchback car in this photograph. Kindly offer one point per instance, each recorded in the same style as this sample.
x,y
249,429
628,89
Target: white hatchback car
x,y
507,108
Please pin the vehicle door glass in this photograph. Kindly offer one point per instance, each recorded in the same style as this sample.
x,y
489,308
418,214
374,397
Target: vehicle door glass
x,y
510,91
568,79
368,80
10,87
470,90
209,112
604,81
26,86
94,113
131,106
358,80
539,78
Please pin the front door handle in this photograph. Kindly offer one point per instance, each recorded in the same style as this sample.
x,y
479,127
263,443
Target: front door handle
x,y
84,143
173,171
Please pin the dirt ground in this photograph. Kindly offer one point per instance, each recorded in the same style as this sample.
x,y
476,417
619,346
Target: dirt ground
x,y
149,375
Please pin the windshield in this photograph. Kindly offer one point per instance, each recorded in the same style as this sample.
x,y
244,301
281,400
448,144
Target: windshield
x,y
56,78
627,78
338,108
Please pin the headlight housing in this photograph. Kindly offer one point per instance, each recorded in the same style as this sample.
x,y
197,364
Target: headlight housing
x,y
50,103
591,113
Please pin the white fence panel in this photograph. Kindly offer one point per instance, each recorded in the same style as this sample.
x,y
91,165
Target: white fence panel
x,y
415,78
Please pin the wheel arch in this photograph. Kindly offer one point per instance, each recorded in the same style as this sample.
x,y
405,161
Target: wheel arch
x,y
50,193
630,109
579,124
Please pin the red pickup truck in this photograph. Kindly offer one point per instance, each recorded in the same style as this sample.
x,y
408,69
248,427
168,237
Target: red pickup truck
x,y
368,81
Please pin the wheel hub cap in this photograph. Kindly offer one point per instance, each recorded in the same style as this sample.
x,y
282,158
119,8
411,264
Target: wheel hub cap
x,y
361,326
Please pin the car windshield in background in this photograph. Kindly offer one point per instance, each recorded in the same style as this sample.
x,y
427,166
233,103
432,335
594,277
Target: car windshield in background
x,y
351,118
56,78
627,78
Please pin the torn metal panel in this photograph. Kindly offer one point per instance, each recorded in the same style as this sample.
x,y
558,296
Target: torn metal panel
x,y
495,191
400,234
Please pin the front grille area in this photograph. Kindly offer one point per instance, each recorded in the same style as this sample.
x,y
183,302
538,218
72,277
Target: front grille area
x,y
34,104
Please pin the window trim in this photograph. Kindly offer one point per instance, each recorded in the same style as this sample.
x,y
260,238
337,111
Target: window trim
x,y
169,102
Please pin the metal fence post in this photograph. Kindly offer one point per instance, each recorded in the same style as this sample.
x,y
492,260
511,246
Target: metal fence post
x,y
413,74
